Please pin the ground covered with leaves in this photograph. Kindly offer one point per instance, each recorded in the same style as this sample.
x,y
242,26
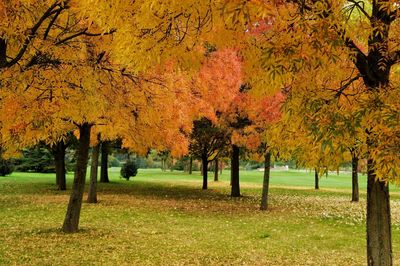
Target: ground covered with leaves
x,y
166,219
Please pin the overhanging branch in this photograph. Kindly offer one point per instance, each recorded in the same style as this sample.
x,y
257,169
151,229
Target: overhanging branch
x,y
33,32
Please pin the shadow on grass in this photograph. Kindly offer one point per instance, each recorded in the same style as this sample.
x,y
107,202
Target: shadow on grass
x,y
161,190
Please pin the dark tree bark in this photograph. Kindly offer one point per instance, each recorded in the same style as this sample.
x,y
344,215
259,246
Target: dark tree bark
x,y
92,192
316,178
59,160
354,177
216,169
264,196
379,231
71,221
190,165
235,188
204,166
104,162
3,52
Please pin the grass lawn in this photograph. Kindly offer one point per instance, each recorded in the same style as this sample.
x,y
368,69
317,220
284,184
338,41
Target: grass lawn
x,y
166,219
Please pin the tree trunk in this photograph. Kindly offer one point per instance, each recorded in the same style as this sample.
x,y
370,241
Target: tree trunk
x,y
221,168
235,188
3,52
204,165
354,177
264,196
71,221
59,160
92,192
216,169
316,179
379,232
104,162
190,165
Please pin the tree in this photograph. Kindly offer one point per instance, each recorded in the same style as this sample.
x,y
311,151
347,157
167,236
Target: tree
x,y
71,220
6,166
104,162
92,192
216,168
316,178
265,189
46,96
330,33
235,185
36,159
58,151
207,141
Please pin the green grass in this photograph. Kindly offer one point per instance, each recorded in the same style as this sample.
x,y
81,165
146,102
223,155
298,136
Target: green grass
x,y
166,219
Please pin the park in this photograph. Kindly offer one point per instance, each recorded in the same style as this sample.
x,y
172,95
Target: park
x,y
165,218
199,132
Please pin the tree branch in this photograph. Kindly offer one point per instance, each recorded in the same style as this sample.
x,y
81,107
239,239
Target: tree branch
x,y
32,34
85,33
360,8
53,20
346,85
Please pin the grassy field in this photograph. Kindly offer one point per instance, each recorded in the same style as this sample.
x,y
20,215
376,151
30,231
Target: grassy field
x,y
166,219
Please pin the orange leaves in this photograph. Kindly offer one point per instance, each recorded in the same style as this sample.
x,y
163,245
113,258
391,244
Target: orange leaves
x,y
219,81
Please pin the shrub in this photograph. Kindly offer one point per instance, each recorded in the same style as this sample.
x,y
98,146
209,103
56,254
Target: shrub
x,y
129,169
6,167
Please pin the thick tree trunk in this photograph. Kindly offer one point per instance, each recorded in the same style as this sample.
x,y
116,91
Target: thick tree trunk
x,y
59,160
71,221
264,195
316,178
190,165
379,232
204,165
92,192
354,177
235,188
104,162
216,169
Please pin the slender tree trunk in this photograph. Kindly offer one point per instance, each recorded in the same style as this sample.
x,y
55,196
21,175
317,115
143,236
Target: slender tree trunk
x,y
221,166
379,231
267,167
190,165
59,160
316,178
216,169
354,177
204,165
235,189
92,192
104,162
71,221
